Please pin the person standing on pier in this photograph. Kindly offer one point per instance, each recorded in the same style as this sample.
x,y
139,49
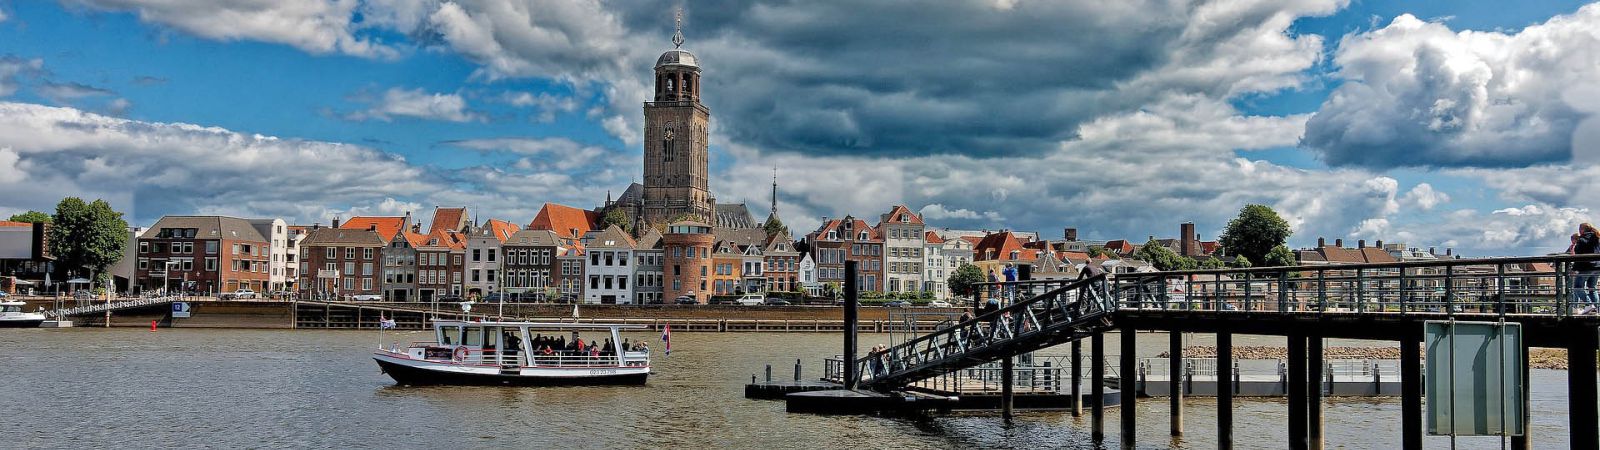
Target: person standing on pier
x,y
1011,283
1585,273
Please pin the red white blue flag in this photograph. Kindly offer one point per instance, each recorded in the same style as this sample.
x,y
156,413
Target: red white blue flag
x,y
666,336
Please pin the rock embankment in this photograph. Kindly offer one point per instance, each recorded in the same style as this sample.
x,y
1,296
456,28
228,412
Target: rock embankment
x,y
1540,358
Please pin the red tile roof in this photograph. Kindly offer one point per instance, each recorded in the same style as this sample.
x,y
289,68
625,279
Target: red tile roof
x,y
900,214
974,240
7,223
416,239
1001,245
564,220
501,229
856,227
448,218
1120,246
933,238
388,226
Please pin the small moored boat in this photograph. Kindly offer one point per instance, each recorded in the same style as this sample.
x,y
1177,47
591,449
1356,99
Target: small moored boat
x,y
11,316
518,353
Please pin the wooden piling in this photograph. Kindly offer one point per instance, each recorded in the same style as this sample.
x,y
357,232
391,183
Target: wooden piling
x,y
1174,377
1097,386
1297,392
1584,419
1225,390
1077,378
1411,391
1314,378
1129,393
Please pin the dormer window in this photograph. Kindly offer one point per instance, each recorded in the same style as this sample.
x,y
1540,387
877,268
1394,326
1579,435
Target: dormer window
x,y
863,236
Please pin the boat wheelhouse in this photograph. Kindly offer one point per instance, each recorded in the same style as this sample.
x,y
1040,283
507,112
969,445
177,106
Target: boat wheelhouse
x,y
11,316
519,353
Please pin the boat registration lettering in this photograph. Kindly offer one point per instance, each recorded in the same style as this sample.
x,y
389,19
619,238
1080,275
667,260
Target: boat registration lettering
x,y
602,371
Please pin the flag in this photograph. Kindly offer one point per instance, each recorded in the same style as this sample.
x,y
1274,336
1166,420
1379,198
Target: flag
x,y
385,323
574,310
666,336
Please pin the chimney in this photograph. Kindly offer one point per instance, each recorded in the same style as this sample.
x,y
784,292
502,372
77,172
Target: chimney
x,y
1338,242
1361,243
1071,234
1186,238
1447,251
373,227
1379,244
1430,251
336,222
416,228
1150,238
407,220
1322,242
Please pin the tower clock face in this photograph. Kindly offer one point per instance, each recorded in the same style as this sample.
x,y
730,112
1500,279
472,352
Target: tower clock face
x,y
668,134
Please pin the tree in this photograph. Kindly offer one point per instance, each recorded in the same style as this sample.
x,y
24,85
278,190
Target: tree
x,y
31,217
1098,252
1257,231
1162,258
964,281
1212,263
87,236
1241,263
615,216
1279,256
773,226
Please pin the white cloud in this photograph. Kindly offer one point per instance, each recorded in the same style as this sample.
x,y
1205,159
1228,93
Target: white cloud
x,y
545,103
416,103
544,153
1416,93
1425,197
938,212
11,67
315,26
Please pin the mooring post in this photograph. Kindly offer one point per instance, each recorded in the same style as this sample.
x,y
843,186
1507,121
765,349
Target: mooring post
x,y
850,303
1225,390
1314,366
1077,377
1097,386
1297,392
1585,419
1129,390
1005,388
769,373
1411,390
1174,378
797,369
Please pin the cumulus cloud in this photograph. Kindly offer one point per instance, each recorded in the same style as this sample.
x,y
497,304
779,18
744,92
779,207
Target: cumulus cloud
x,y
316,26
545,104
416,103
69,91
938,212
1423,196
1416,93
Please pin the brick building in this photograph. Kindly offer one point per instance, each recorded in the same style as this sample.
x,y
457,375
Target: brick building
x,y
210,254
686,254
339,263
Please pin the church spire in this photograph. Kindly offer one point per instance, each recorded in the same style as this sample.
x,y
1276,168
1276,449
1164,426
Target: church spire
x,y
774,190
677,32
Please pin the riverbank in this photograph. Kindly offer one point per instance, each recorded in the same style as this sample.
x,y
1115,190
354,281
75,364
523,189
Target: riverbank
x,y
1538,358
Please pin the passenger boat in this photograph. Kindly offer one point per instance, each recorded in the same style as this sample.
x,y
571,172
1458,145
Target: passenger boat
x,y
11,316
516,353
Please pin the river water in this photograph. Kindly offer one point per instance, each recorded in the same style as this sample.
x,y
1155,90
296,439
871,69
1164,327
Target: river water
x,y
125,388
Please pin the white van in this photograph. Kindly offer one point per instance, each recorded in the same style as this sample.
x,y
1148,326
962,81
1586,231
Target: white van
x,y
752,299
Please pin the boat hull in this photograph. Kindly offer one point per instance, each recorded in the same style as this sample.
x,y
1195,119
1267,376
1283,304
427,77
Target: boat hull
x,y
23,323
416,373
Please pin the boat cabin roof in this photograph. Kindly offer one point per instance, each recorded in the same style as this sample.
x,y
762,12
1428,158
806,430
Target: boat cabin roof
x,y
539,325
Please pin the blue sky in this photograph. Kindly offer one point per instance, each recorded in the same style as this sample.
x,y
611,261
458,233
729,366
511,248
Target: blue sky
x,y
1356,119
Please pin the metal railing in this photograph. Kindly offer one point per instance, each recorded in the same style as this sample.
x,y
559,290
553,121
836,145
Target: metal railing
x,y
1493,286
112,306
1058,315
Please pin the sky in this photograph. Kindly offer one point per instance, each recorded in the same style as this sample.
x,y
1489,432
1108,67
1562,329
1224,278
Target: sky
x,y
1465,124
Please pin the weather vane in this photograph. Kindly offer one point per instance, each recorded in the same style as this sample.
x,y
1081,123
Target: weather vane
x,y
677,34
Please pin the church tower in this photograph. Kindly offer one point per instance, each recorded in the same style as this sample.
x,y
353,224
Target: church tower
x,y
676,139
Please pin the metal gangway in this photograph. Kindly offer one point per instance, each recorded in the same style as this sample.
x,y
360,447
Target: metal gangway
x,y
114,305
1072,311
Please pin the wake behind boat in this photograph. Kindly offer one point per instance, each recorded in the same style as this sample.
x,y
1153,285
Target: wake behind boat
x,y
11,316
518,353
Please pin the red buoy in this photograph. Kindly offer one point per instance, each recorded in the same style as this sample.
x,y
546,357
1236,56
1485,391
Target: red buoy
x,y
153,325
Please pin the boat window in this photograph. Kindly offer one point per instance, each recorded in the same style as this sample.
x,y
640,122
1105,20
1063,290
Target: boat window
x,y
11,308
474,336
451,335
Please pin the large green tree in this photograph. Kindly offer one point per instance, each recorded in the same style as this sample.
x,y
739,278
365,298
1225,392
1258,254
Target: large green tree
x,y
31,217
964,281
1278,257
1254,233
87,236
1162,258
773,226
615,216
1213,263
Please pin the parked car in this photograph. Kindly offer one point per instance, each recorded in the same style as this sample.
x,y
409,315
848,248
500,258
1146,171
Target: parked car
x,y
777,302
241,294
751,299
938,304
685,300
897,304
448,298
496,297
366,297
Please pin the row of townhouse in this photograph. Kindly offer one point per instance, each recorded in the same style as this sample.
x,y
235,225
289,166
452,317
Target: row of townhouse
x,y
899,254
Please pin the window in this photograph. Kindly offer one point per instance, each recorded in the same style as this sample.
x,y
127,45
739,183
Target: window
x,y
144,263
623,259
492,252
236,265
677,284
366,269
349,283
366,253
144,247
608,282
594,282
333,253
475,256
235,249
458,259
366,284
349,253
211,264
594,258
350,268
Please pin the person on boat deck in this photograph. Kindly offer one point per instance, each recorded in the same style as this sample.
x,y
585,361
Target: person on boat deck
x,y
513,343
626,346
609,348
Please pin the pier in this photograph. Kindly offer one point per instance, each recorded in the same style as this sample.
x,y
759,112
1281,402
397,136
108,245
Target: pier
x,y
1305,304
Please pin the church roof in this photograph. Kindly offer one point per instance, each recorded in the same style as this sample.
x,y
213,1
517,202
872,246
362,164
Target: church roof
x,y
678,58
735,216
